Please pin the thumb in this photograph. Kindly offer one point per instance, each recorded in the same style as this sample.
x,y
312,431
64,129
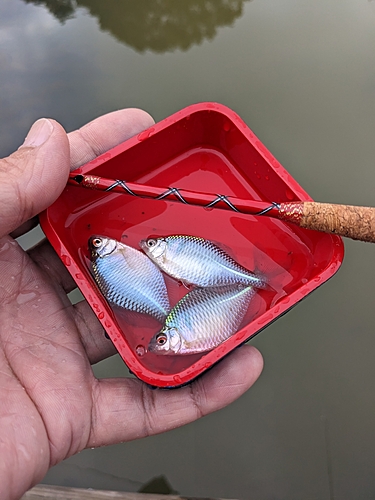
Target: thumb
x,y
34,176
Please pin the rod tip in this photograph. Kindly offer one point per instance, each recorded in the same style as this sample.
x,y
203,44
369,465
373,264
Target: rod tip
x,y
78,178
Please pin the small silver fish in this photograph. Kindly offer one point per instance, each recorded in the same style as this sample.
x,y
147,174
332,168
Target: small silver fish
x,y
127,278
197,261
202,320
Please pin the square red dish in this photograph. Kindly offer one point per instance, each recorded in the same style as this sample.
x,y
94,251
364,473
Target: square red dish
x,y
207,148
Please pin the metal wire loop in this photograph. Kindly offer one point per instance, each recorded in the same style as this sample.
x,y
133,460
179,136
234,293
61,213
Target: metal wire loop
x,y
273,205
174,191
221,197
123,185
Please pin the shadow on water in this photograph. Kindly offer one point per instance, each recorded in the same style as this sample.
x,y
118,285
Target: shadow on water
x,y
157,25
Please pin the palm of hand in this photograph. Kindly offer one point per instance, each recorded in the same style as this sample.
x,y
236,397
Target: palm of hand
x,y
52,406
47,371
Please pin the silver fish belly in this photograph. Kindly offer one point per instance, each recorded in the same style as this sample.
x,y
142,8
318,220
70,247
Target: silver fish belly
x,y
202,320
127,278
198,261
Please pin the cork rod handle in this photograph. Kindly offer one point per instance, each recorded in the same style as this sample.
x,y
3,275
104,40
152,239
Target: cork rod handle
x,y
357,223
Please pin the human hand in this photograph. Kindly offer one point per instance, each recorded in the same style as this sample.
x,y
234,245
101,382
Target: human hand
x,y
52,406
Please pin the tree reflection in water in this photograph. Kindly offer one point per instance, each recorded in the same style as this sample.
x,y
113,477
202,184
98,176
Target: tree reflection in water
x,y
157,25
61,9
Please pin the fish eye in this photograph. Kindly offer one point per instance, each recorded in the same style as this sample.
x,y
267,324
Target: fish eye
x,y
151,243
161,339
96,242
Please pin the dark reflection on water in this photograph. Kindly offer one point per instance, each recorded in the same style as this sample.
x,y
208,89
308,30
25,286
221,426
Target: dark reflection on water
x,y
157,25
61,9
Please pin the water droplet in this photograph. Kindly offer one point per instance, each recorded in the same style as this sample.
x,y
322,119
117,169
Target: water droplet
x,y
101,315
66,260
22,298
145,134
267,177
5,246
208,209
140,350
79,276
289,194
226,126
22,449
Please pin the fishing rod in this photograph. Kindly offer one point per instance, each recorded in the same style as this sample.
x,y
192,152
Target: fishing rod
x,y
357,223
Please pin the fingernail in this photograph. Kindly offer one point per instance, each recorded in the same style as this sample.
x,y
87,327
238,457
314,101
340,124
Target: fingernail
x,y
38,134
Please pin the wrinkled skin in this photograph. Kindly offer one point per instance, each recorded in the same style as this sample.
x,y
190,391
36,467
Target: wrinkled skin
x,y
52,406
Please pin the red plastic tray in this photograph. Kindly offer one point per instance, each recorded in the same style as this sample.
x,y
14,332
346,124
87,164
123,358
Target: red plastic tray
x,y
208,148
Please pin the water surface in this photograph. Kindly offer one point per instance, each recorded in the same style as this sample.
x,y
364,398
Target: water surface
x,y
301,75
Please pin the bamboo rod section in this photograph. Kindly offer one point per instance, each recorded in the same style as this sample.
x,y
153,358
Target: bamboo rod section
x,y
357,223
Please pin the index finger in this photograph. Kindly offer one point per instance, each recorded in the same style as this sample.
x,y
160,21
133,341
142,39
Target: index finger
x,y
105,132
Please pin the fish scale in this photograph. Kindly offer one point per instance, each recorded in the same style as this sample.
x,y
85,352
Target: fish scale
x,y
202,320
128,279
198,261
